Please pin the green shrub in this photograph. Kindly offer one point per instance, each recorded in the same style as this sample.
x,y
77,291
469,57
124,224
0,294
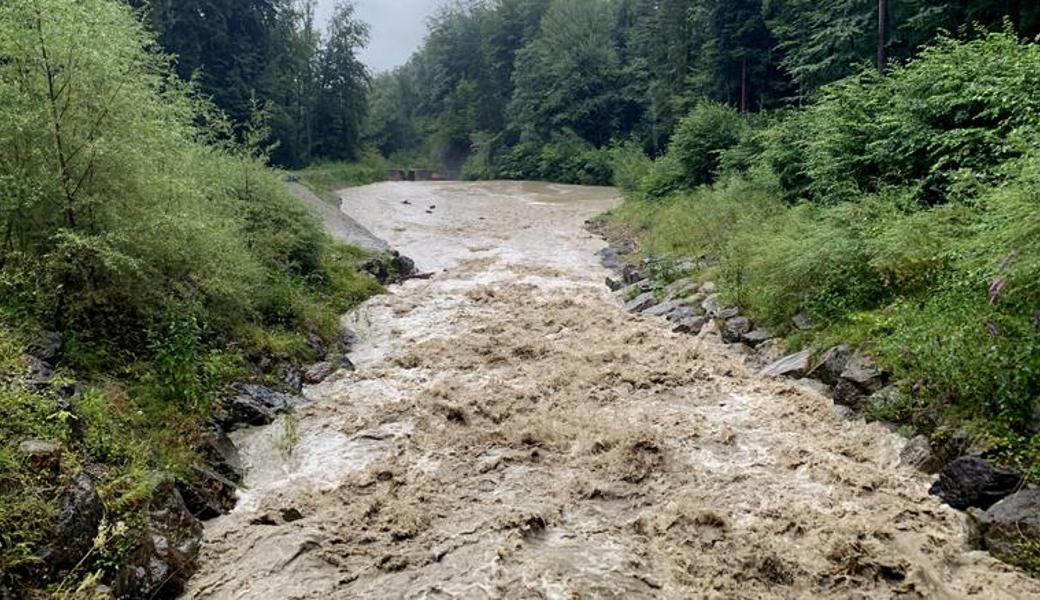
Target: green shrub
x,y
700,140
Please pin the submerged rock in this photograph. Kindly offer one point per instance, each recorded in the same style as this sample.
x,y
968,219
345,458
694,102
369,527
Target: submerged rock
x,y
970,481
815,386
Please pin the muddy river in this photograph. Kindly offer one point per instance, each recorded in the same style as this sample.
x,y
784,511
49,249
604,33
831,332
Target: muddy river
x,y
511,433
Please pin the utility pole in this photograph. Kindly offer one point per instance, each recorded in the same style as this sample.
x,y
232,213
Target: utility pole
x,y
882,54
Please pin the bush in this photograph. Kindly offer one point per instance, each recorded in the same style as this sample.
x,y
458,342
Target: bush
x,y
700,139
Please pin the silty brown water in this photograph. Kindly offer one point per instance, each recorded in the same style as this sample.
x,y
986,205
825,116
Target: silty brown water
x,y
511,433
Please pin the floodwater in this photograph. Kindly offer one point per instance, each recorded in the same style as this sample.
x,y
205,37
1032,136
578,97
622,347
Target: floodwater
x,y
511,433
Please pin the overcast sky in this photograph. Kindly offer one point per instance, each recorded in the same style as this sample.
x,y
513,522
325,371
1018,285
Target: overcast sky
x,y
398,27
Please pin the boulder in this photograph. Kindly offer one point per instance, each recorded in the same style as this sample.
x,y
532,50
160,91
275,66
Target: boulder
x,y
883,398
802,322
755,337
641,302
402,265
46,346
614,284
79,515
794,365
41,455
38,373
318,372
690,325
815,386
221,454
735,329
1011,524
664,309
917,454
630,274
252,404
683,312
209,494
970,481
680,289
861,370
166,550
290,376
709,287
831,365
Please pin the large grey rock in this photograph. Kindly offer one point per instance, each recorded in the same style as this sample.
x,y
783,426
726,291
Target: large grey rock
x,y
735,329
918,454
690,325
252,404
831,365
38,373
664,309
79,515
802,322
166,553
794,365
221,453
884,398
862,371
402,265
630,274
1011,524
41,455
614,284
318,372
756,337
46,346
683,312
641,302
682,288
209,494
970,481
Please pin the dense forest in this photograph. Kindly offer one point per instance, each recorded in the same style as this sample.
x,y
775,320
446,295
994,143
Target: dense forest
x,y
524,88
246,55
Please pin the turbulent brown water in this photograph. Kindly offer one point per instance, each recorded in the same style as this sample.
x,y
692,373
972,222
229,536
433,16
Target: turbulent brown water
x,y
511,433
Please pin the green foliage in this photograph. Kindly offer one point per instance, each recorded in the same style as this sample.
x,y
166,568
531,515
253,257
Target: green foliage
x,y
943,123
565,159
163,252
327,177
920,240
696,149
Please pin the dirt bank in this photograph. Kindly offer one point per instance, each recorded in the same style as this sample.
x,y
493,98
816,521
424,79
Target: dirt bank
x,y
509,432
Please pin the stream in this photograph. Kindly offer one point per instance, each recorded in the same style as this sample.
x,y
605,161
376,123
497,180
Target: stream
x,y
510,432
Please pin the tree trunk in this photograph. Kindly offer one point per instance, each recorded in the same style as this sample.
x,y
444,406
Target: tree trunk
x,y
744,94
882,53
